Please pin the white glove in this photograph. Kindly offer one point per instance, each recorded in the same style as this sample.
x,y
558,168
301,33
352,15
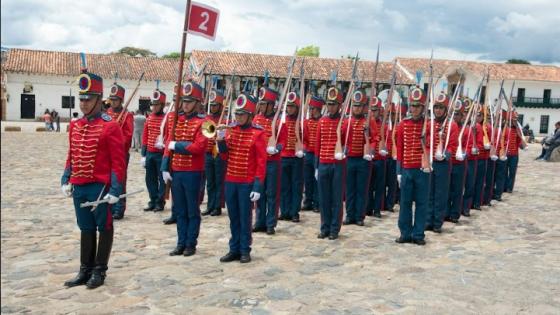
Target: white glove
x,y
221,134
399,180
316,174
112,199
339,156
143,161
166,177
368,157
474,151
383,152
487,146
459,156
171,145
67,190
300,154
503,158
254,196
439,156
494,157
159,143
271,150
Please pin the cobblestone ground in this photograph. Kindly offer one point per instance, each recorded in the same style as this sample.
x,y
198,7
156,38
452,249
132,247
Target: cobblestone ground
x,y
502,260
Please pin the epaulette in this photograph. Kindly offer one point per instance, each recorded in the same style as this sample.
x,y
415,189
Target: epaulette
x,y
106,117
257,126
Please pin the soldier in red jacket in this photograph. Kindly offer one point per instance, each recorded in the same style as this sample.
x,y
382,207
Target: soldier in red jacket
x,y
439,179
215,164
359,158
268,206
376,188
515,141
482,159
152,153
330,167
126,121
245,146
94,168
474,147
311,201
414,182
183,165
457,180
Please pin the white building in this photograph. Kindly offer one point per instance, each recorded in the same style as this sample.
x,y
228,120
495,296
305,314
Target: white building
x,y
33,81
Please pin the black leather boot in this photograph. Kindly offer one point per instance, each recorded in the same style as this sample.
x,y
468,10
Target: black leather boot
x,y
87,259
159,206
208,211
216,212
101,260
151,206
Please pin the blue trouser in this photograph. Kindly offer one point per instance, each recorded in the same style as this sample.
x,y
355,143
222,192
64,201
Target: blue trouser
x,y
185,190
489,182
357,176
214,173
89,221
391,183
379,171
479,182
456,185
154,178
240,216
439,193
311,190
331,181
469,185
414,188
267,206
499,178
511,171
292,186
120,207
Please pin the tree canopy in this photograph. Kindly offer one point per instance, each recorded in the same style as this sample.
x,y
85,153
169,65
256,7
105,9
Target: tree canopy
x,y
134,51
518,62
308,51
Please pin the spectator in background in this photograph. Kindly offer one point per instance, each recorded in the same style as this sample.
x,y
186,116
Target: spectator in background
x,y
139,121
74,116
552,142
48,120
57,121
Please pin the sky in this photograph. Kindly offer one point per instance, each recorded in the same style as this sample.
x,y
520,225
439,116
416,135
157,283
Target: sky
x,y
486,30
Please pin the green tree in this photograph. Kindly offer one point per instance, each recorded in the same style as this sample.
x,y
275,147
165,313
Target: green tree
x,y
308,51
518,62
133,51
172,55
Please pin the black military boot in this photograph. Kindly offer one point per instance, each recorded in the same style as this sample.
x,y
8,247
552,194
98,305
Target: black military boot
x,y
170,220
216,212
87,259
208,211
159,206
101,260
151,206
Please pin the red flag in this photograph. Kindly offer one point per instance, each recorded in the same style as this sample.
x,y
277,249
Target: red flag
x,y
203,20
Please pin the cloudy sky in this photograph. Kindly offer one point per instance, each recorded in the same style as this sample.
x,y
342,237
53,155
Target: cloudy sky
x,y
473,30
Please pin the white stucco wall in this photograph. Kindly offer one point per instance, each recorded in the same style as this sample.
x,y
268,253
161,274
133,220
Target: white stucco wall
x,y
48,91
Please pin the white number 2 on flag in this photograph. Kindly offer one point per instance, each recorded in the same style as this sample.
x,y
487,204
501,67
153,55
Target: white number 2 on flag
x,y
204,25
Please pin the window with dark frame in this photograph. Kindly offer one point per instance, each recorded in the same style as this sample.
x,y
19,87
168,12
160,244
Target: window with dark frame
x,y
520,119
68,101
544,124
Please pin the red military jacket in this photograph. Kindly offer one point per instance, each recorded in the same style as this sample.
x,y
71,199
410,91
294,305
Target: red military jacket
x,y
266,124
409,143
515,142
245,147
310,134
151,133
326,139
190,145
357,138
453,136
290,126
127,126
95,153
212,141
378,122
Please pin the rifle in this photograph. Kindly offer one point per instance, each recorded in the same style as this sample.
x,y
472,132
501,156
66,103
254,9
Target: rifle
x,y
367,145
120,119
427,157
282,101
460,154
299,122
509,118
485,140
338,147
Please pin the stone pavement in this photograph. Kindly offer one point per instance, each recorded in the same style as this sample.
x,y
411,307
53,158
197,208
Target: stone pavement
x,y
502,260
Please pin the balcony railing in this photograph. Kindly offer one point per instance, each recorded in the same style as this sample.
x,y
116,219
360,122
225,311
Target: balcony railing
x,y
536,102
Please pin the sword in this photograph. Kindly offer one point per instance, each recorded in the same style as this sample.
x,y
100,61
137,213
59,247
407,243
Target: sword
x,y
98,202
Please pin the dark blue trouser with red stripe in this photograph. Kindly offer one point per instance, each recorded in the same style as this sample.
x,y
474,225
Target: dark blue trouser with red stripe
x,y
185,190
470,176
479,182
120,206
240,214
154,178
311,190
379,173
292,186
414,188
357,175
457,182
511,171
331,181
439,193
499,179
89,221
269,203
214,173
391,183
489,182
